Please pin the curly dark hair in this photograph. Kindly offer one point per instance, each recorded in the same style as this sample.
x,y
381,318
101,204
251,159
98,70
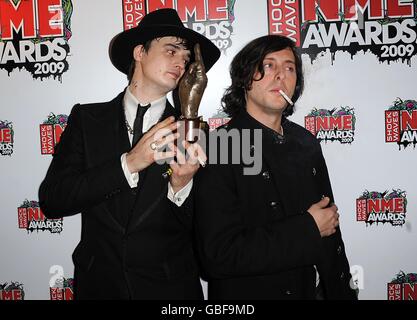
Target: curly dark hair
x,y
247,62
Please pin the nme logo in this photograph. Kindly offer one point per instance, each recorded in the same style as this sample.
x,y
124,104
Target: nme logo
x,y
50,132
6,138
383,207
386,28
60,288
31,218
211,18
401,123
332,125
13,291
403,287
34,35
63,290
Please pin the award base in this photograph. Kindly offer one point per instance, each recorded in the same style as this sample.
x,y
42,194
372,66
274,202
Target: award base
x,y
192,128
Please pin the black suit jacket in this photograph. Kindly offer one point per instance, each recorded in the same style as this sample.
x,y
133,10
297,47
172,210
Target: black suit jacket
x,y
255,238
135,243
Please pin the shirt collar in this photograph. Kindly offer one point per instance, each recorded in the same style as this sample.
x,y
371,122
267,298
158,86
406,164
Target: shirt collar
x,y
131,104
249,122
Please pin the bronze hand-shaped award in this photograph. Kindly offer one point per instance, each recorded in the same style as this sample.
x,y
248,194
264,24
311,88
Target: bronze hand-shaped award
x,y
191,89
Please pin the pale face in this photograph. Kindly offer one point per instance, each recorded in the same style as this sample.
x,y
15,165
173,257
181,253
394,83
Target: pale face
x,y
161,68
280,73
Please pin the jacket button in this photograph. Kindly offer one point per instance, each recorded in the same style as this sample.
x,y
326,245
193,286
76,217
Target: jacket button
x,y
314,171
266,175
134,191
288,292
273,204
339,249
279,140
342,276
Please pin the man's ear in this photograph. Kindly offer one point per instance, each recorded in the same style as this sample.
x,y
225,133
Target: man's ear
x,y
138,52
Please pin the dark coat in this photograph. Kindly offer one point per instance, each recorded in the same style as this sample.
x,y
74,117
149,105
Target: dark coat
x,y
135,243
255,237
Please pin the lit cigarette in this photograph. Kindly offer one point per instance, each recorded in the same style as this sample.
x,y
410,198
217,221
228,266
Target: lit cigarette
x,y
286,97
202,163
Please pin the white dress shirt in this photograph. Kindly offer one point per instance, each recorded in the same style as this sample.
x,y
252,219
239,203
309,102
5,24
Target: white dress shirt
x,y
150,118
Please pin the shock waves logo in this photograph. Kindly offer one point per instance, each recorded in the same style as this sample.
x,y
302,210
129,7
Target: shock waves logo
x,y
382,207
12,291
50,132
6,138
387,28
63,289
403,287
332,125
401,123
34,35
211,18
31,218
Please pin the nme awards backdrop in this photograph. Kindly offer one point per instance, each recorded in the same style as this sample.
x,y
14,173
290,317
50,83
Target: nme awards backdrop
x,y
360,101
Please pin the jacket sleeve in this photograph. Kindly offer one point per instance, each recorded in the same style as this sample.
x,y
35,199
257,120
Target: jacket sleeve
x,y
229,248
70,186
333,267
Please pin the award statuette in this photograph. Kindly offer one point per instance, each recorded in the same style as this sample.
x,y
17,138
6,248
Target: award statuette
x,y
191,89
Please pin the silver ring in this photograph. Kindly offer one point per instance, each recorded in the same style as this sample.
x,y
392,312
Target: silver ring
x,y
154,146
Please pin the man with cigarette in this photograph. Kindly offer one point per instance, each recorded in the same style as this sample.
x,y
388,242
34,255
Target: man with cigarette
x,y
274,234
136,239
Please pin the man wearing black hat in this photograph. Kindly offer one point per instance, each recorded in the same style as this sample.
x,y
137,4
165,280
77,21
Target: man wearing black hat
x,y
136,239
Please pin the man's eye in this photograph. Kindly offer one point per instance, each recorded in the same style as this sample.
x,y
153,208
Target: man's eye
x,y
291,69
171,52
267,65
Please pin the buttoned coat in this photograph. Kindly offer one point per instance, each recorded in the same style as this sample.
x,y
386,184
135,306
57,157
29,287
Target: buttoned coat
x,y
255,238
135,243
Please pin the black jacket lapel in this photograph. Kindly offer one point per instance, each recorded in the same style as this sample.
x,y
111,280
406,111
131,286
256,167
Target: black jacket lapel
x,y
113,140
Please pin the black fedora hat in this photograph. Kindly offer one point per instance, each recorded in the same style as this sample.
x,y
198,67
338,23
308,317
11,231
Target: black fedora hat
x,y
156,24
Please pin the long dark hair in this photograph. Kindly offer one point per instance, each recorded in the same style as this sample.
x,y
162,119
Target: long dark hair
x,y
247,62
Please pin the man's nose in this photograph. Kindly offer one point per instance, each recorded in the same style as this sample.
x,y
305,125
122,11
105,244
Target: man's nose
x,y
280,74
179,63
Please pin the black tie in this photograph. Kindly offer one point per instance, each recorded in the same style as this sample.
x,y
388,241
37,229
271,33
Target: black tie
x,y
138,124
